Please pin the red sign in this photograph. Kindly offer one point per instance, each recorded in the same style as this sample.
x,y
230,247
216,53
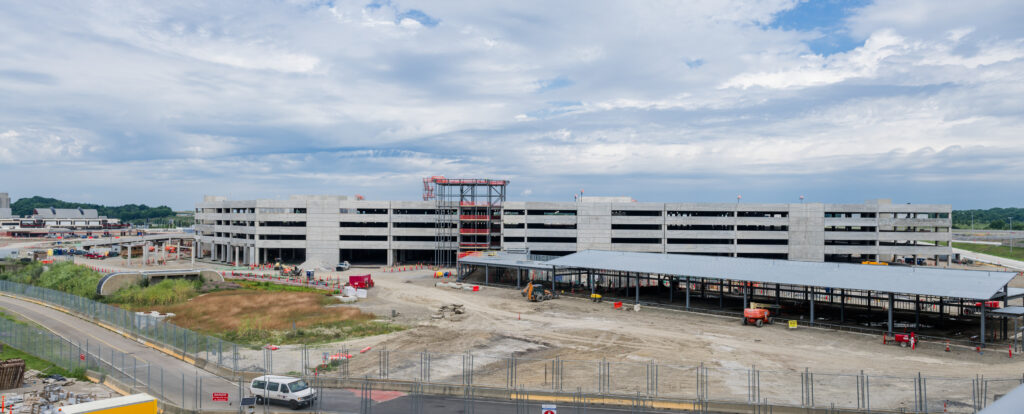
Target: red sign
x,y
220,396
81,357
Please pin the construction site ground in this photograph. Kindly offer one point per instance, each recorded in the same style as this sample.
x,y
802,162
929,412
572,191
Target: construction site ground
x,y
498,322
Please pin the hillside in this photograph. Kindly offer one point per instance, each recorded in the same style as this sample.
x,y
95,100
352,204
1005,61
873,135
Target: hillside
x,y
126,213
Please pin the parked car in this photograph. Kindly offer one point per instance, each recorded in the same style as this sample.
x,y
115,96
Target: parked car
x,y
291,391
343,266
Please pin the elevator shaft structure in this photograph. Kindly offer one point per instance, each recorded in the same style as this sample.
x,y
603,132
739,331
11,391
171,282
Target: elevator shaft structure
x,y
468,216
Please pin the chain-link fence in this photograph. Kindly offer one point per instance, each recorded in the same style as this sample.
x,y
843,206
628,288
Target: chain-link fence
x,y
420,376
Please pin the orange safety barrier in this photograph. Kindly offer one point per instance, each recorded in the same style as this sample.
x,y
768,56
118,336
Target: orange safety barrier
x,y
617,305
476,288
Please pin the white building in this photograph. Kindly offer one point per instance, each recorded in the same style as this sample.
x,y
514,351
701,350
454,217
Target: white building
x,y
328,229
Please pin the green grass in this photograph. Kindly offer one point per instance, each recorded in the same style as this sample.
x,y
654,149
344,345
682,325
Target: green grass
x,y
42,365
65,277
167,292
1001,251
271,287
252,334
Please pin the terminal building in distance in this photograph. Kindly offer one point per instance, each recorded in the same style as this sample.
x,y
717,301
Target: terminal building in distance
x,y
459,216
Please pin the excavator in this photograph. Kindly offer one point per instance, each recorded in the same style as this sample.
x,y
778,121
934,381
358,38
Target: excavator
x,y
535,292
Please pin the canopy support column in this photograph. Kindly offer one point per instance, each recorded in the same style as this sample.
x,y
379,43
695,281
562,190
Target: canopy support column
x,y
721,294
890,313
637,300
744,297
687,292
812,309
917,312
671,287
842,305
982,324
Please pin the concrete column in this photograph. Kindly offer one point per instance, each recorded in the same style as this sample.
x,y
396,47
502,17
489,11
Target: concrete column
x,y
194,248
519,275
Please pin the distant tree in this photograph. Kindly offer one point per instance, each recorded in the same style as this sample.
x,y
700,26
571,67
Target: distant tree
x,y
997,224
126,213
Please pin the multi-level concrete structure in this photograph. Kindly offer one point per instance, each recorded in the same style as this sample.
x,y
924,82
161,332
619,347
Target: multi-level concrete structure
x,y
5,206
326,229
63,221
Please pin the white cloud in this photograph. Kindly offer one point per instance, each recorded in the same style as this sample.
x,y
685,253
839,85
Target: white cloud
x,y
244,93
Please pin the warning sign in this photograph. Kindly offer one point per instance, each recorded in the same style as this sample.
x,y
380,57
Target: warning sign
x,y
220,396
81,357
792,324
548,409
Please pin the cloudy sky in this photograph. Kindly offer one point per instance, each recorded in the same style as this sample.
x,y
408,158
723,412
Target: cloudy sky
x,y
841,101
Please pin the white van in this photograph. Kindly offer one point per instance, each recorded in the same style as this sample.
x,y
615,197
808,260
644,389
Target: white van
x,y
292,391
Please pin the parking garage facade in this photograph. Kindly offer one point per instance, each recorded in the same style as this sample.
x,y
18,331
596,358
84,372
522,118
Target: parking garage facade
x,y
328,229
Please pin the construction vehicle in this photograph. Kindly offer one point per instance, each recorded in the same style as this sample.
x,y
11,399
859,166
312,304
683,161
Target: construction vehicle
x,y
535,292
360,281
291,271
757,317
903,339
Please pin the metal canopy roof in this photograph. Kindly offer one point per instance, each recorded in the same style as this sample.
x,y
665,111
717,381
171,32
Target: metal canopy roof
x,y
506,260
895,279
1009,310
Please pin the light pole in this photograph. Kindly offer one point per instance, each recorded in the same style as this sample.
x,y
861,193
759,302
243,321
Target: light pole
x,y
1011,235
801,199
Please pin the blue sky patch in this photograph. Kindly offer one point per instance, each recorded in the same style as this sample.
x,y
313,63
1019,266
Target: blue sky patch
x,y
418,16
555,83
825,17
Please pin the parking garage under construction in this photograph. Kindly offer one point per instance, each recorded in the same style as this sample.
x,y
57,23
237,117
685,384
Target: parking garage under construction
x,y
460,216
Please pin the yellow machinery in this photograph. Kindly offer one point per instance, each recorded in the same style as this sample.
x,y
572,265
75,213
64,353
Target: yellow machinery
x,y
535,292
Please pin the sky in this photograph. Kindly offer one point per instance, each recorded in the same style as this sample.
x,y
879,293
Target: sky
x,y
113,102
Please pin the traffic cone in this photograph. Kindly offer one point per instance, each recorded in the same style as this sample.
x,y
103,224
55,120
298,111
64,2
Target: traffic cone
x,y
947,346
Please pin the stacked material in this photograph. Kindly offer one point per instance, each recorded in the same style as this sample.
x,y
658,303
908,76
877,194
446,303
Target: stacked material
x,y
12,373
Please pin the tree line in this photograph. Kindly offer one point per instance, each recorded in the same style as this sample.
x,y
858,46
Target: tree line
x,y
993,218
126,213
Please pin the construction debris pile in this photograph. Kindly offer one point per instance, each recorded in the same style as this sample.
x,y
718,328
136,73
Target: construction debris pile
x,y
450,312
46,394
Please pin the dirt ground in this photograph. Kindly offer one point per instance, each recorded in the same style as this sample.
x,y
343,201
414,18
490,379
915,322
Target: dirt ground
x,y
228,310
500,323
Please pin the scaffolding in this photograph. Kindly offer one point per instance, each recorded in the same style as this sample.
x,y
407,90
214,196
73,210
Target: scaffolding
x,y
468,215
